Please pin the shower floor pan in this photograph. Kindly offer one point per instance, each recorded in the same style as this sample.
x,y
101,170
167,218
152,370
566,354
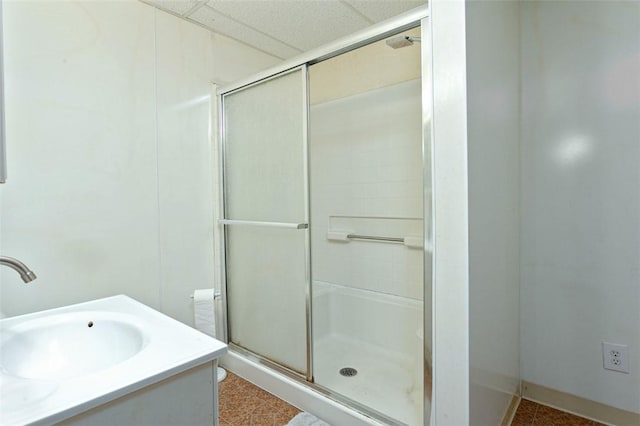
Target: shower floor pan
x,y
385,380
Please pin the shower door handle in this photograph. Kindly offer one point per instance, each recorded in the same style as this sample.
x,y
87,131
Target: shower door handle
x,y
269,224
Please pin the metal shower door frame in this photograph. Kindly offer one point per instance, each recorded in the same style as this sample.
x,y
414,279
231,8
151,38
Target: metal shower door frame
x,y
418,17
303,226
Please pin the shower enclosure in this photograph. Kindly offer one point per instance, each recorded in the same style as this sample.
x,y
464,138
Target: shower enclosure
x,y
326,193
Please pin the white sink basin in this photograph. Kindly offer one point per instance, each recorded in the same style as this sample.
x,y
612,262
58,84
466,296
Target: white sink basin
x,y
59,363
69,345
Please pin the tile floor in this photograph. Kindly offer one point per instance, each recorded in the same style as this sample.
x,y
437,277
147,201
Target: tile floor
x,y
530,413
243,404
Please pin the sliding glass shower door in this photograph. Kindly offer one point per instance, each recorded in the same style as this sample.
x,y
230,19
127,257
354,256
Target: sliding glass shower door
x,y
266,219
326,205
368,245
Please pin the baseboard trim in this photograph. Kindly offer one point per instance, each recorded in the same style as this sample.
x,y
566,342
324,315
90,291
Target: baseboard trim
x,y
511,411
580,406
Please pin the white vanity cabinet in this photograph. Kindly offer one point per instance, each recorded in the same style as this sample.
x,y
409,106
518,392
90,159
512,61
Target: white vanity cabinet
x,y
189,398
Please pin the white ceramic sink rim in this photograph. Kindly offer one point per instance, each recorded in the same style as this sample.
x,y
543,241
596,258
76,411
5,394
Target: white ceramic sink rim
x,y
168,348
63,346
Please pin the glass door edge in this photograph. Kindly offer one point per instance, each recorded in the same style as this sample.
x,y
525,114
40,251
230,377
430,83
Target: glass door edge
x,y
307,209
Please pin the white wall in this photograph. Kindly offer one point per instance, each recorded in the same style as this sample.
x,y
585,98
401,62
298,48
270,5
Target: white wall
x,y
108,145
580,196
494,221
447,47
476,174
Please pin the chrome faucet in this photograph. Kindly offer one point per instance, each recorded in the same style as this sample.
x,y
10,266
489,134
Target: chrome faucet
x,y
26,274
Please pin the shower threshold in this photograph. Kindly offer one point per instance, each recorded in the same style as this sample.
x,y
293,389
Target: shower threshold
x,y
295,389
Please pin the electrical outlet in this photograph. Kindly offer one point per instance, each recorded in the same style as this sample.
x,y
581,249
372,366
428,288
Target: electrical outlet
x,y
615,357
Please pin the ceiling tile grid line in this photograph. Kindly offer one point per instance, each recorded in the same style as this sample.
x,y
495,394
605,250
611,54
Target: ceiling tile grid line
x,y
174,7
207,16
285,28
379,10
352,7
305,24
197,12
195,7
254,28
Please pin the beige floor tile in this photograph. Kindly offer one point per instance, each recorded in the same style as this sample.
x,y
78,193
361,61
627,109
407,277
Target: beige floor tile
x,y
241,403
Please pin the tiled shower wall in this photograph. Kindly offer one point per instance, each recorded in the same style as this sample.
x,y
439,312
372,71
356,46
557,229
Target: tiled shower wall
x,y
366,178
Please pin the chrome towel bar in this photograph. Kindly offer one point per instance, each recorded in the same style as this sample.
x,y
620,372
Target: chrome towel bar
x,y
411,241
376,238
270,224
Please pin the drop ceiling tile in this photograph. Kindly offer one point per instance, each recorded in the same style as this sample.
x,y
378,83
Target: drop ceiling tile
x,y
304,24
379,10
179,7
222,24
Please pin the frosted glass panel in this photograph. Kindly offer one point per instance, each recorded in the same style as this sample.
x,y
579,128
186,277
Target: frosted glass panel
x,y
267,291
264,152
265,178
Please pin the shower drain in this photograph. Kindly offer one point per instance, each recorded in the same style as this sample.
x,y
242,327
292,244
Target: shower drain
x,y
348,372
